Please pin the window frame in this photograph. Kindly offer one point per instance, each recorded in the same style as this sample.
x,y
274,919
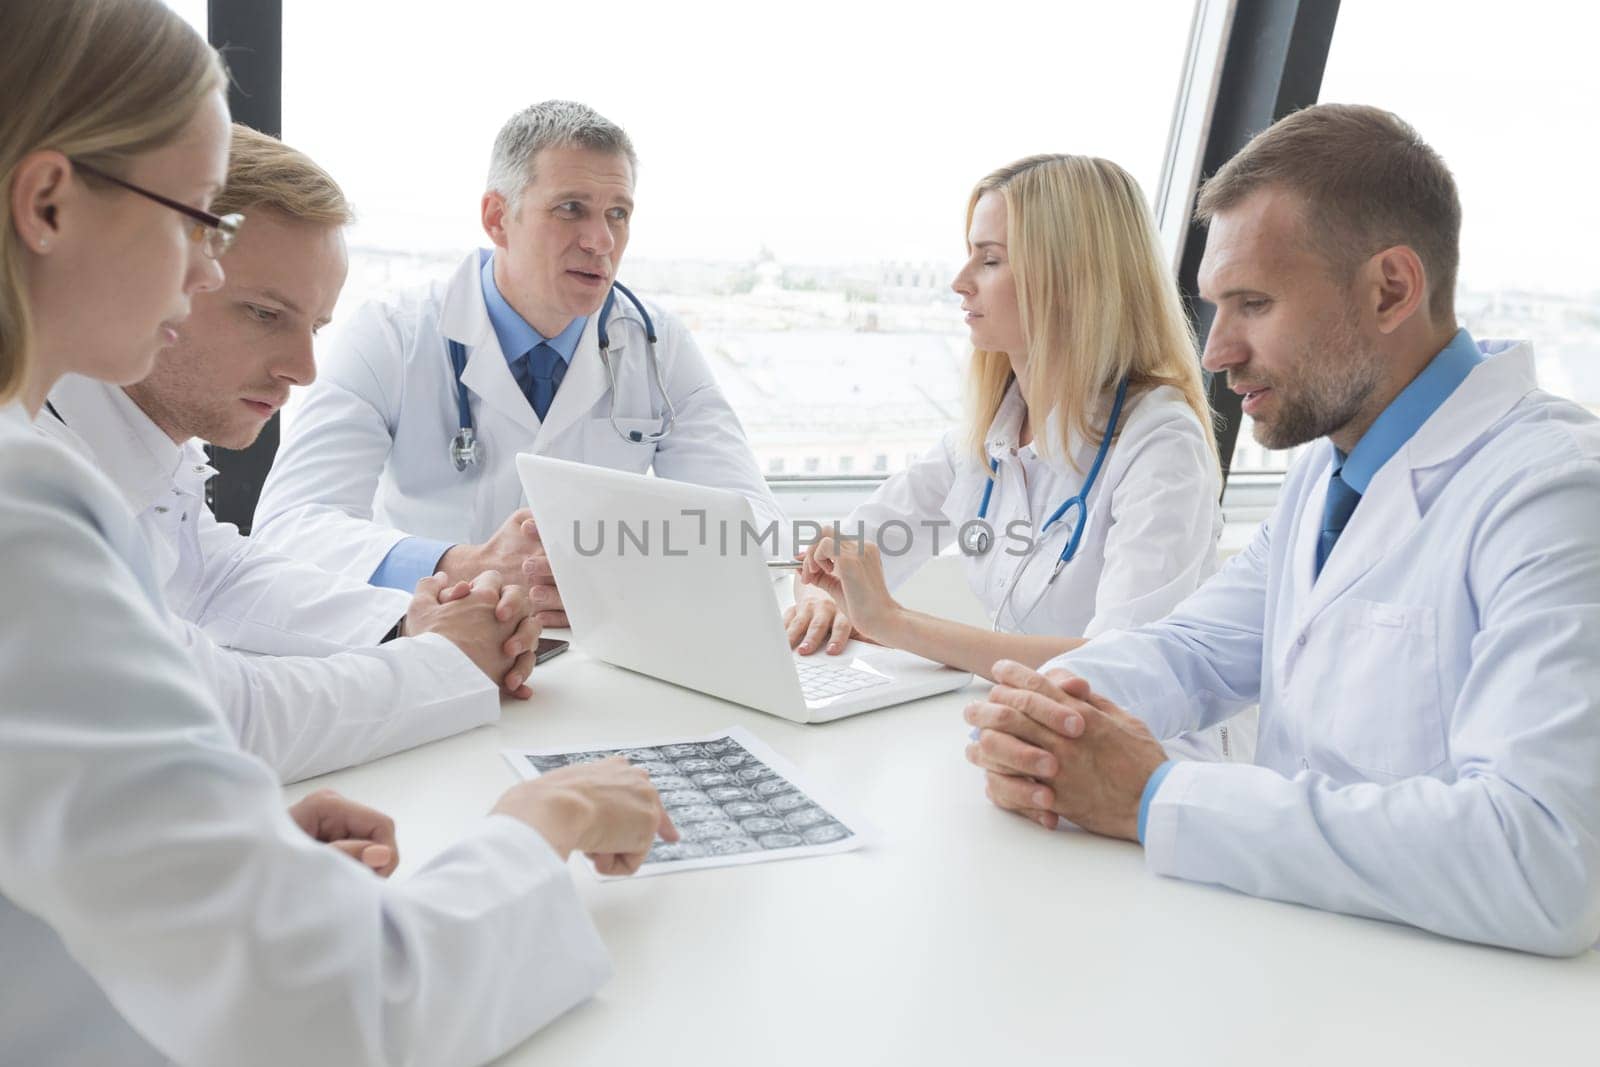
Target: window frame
x,y
1249,63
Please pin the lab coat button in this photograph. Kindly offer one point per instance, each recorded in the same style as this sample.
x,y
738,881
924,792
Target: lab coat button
x,y
1301,640
161,509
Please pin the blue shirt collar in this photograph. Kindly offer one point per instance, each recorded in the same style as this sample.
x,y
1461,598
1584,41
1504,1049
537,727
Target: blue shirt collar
x,y
517,338
1409,410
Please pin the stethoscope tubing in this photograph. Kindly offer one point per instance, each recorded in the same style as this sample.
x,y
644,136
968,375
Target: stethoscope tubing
x,y
1080,501
466,451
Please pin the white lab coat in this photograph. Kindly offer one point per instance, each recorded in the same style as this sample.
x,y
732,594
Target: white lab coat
x,y
157,904
366,459
1153,524
1430,706
326,694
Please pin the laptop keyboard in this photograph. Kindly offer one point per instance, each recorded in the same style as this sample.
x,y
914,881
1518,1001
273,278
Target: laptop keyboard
x,y
823,681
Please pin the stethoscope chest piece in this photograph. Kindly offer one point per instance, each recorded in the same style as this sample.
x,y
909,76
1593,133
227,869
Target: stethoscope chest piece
x,y
465,449
975,539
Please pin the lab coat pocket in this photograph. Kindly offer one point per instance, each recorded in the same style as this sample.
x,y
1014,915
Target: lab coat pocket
x,y
1383,681
614,450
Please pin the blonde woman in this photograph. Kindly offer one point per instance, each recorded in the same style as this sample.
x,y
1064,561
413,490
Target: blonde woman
x,y
157,903
1083,493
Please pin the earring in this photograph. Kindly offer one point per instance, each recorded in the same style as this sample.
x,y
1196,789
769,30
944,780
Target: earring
x,y
44,243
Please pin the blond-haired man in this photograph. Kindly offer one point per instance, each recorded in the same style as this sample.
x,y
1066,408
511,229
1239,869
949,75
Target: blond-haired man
x,y
332,688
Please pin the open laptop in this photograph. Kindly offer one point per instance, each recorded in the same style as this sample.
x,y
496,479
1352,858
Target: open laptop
x,y
671,580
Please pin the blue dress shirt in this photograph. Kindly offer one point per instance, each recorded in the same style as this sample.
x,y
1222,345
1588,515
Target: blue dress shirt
x,y
1407,412
414,558
1387,435
517,338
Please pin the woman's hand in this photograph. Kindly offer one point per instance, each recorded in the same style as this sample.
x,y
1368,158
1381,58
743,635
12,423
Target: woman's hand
x,y
815,620
850,572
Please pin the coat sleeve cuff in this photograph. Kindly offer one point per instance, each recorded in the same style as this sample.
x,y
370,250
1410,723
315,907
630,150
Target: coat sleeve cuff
x,y
408,562
1159,823
1150,788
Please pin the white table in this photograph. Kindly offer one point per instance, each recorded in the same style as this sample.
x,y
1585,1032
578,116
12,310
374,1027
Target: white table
x,y
965,935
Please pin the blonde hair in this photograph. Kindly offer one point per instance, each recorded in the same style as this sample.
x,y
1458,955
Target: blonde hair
x,y
1096,299
100,81
265,173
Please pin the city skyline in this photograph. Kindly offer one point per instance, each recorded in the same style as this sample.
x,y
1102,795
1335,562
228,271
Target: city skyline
x,y
857,369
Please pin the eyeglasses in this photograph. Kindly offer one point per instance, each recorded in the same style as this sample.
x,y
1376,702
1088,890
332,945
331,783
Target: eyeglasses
x,y
214,233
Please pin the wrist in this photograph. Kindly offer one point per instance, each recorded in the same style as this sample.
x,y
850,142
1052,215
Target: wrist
x,y
459,563
1147,793
892,625
561,817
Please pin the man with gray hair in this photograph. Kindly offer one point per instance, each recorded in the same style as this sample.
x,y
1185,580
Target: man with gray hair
x,y
401,463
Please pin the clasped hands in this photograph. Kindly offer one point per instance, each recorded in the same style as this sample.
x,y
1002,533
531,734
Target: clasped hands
x,y
1052,749
515,551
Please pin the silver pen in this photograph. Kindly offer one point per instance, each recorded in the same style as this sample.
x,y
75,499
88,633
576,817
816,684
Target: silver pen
x,y
783,564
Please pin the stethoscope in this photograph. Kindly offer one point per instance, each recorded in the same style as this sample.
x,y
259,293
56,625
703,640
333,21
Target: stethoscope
x,y
976,540
467,451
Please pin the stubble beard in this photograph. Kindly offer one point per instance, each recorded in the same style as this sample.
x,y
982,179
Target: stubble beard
x,y
1337,373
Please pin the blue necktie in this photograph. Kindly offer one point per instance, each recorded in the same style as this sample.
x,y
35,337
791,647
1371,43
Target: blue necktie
x,y
1336,511
538,374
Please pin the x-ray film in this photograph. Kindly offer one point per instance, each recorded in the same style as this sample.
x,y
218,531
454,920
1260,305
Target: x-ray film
x,y
732,798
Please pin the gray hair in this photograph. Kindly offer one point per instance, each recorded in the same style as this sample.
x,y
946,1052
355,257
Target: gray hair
x,y
551,124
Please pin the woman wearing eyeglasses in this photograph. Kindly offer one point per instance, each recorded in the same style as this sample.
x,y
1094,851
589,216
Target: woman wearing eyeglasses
x,y
1083,492
157,903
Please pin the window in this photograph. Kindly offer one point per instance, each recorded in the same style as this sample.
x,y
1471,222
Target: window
x,y
802,217
846,464
1516,135
880,463
813,464
193,12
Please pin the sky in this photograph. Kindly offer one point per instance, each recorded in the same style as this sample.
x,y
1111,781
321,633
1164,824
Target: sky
x,y
1507,94
838,133
828,132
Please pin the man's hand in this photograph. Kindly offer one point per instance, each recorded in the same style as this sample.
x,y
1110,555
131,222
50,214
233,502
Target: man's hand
x,y
488,620
607,810
514,550
358,831
541,581
1053,749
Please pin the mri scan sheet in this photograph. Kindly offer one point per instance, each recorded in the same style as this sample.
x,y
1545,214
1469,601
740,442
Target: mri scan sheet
x,y
732,798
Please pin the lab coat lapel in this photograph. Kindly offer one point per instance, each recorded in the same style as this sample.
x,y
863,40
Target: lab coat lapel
x,y
1384,519
585,384
1305,530
464,318
1493,388
489,378
1389,510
